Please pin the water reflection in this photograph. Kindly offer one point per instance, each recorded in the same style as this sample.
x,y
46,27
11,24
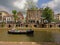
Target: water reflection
x,y
30,35
42,36
38,36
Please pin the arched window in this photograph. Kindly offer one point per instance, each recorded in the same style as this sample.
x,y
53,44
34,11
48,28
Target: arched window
x,y
58,25
35,25
9,25
37,22
50,26
26,25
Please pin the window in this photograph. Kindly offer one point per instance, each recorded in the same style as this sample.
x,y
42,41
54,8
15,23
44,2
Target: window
x,y
58,25
0,13
8,19
0,17
26,25
35,25
50,26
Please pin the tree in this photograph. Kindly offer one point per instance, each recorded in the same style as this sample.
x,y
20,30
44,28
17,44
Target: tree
x,y
31,5
15,15
47,13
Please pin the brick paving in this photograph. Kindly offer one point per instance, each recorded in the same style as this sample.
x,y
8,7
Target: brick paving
x,y
28,43
18,43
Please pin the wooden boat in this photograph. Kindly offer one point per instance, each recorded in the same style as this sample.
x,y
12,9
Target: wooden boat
x,y
20,31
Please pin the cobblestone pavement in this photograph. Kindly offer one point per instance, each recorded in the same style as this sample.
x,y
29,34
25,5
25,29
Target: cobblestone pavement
x,y
27,43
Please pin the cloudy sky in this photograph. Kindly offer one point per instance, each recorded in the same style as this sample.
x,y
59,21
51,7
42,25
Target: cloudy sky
x,y
22,5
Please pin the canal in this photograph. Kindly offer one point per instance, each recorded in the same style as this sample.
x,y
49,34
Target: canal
x,y
38,36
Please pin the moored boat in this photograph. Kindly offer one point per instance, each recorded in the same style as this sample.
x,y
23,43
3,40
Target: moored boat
x,y
20,31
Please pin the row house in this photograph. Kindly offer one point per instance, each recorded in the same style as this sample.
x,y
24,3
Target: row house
x,y
9,19
33,16
57,16
6,17
20,17
2,15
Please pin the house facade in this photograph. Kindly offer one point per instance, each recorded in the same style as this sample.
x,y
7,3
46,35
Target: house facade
x,y
20,17
33,16
5,16
57,16
8,19
2,15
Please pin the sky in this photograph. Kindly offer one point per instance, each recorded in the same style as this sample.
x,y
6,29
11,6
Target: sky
x,y
23,5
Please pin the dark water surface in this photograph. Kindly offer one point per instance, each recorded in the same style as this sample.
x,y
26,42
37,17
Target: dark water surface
x,y
39,36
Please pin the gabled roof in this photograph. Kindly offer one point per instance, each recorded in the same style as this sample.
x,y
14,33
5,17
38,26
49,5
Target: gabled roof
x,y
5,12
20,14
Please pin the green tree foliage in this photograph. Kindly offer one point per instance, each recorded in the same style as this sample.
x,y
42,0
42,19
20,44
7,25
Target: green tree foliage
x,y
47,13
15,14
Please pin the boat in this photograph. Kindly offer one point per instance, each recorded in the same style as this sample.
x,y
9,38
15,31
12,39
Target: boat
x,y
20,31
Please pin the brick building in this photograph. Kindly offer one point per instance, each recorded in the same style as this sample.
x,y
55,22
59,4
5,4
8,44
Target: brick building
x,y
33,16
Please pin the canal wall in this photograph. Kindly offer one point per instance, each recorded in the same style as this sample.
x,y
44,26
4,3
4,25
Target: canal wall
x,y
35,29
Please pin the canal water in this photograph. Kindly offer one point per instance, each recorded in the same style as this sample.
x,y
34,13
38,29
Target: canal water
x,y
38,36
